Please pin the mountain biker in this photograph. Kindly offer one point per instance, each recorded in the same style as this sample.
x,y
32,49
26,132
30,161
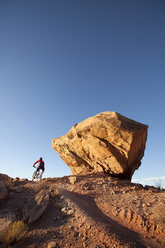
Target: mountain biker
x,y
41,166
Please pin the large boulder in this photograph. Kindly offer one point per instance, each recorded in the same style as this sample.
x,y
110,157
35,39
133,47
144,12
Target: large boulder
x,y
107,142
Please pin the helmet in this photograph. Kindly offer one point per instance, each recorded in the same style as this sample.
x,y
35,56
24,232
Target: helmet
x,y
40,158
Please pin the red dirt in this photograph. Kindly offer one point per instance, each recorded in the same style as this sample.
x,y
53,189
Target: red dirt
x,y
95,211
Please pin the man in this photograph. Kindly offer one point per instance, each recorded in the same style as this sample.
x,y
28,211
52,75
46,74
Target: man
x,y
41,165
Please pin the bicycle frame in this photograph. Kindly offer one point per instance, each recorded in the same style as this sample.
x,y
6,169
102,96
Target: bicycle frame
x,y
36,175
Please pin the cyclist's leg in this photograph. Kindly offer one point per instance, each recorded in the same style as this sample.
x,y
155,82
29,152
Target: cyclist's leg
x,y
38,173
41,172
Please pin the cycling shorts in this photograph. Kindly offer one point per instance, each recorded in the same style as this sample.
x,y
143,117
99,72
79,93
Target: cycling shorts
x,y
40,168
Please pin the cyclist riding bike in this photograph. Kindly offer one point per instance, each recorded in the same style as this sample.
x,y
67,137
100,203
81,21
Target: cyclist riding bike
x,y
41,166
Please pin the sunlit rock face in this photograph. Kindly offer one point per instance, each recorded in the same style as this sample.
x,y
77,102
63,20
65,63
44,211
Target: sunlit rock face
x,y
107,142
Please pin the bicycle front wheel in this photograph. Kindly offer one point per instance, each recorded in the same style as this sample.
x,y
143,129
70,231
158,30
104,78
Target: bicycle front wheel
x,y
33,177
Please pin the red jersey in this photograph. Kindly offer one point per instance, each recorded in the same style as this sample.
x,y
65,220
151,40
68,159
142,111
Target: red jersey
x,y
41,163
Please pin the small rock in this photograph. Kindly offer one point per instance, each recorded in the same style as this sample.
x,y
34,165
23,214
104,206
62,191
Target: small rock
x,y
116,182
52,244
19,189
134,188
64,210
24,180
72,179
16,181
138,186
70,211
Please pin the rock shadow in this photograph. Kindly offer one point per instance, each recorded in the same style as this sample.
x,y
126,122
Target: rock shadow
x,y
88,205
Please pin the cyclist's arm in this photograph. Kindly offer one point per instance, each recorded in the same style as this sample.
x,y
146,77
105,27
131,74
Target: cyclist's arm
x,y
35,163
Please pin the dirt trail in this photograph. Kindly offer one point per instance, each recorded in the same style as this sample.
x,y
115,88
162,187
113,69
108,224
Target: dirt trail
x,y
89,211
87,204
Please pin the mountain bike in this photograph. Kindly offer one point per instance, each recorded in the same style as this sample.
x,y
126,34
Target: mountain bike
x,y
37,175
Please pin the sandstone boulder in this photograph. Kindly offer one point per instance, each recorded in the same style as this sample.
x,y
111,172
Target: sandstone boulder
x,y
107,142
5,179
3,191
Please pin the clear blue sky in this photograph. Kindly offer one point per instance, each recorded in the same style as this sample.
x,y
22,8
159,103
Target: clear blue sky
x,y
63,61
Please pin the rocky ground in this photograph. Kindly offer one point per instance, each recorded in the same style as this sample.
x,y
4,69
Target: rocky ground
x,y
91,210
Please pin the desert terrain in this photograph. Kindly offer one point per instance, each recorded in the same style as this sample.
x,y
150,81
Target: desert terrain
x,y
92,210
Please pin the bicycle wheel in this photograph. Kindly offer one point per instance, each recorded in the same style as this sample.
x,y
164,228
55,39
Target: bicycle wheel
x,y
34,175
40,177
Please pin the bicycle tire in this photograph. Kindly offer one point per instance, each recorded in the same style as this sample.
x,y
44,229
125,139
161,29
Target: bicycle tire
x,y
37,176
33,177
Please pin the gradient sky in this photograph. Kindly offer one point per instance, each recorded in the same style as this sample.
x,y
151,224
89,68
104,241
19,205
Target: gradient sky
x,y
62,61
